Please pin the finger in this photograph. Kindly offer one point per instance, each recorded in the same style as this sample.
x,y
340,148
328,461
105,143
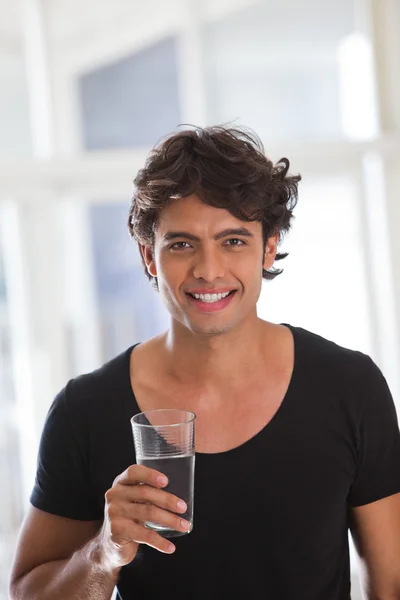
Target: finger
x,y
123,532
144,493
140,474
147,494
154,514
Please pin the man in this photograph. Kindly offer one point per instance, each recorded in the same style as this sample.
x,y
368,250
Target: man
x,y
297,439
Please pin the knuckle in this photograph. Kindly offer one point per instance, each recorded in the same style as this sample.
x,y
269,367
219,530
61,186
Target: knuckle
x,y
149,511
111,513
109,495
152,538
146,493
132,471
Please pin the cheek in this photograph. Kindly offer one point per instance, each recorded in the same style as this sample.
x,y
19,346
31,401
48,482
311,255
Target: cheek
x,y
171,272
248,266
163,265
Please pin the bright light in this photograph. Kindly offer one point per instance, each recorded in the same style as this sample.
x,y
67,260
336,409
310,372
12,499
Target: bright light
x,y
359,112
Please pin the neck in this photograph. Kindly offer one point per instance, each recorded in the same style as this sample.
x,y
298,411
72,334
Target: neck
x,y
212,360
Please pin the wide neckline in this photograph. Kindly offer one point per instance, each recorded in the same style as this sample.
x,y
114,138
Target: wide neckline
x,y
272,423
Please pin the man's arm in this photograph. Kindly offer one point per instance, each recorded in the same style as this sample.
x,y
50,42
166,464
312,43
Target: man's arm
x,y
63,559
375,528
59,558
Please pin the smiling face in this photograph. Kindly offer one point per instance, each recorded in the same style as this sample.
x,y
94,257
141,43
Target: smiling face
x,y
208,265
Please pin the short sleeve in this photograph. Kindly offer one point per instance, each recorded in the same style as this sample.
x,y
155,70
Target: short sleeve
x,y
62,484
378,455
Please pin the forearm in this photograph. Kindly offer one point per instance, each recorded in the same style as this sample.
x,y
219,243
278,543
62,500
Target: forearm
x,y
390,593
84,576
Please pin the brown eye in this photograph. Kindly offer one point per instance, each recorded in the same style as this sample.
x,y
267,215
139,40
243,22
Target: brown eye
x,y
235,242
179,246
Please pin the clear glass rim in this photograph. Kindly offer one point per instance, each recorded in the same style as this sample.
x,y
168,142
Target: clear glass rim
x,y
159,410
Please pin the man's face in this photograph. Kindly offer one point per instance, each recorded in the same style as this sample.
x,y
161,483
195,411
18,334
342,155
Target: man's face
x,y
208,265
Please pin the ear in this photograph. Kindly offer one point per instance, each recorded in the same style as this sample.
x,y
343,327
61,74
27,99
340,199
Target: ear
x,y
148,258
270,251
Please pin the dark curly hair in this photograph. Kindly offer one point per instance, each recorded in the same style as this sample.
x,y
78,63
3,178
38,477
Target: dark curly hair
x,y
227,168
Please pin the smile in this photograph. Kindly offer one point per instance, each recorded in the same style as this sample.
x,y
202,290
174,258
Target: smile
x,y
210,298
211,303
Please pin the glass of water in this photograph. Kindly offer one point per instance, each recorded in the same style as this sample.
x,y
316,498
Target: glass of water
x,y
165,440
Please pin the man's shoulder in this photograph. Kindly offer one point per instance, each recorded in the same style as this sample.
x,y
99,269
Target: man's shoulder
x,y
328,355
109,379
327,369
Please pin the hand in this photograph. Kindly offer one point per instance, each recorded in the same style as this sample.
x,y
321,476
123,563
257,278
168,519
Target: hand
x,y
135,497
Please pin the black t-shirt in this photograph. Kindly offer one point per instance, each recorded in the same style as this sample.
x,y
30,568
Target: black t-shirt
x,y
270,516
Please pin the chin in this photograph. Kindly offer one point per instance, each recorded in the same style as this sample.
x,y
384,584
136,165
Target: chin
x,y
211,329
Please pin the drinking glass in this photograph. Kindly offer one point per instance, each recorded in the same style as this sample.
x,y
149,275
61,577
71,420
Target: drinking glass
x,y
165,440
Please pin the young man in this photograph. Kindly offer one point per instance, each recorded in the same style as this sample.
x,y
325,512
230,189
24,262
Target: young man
x,y
297,439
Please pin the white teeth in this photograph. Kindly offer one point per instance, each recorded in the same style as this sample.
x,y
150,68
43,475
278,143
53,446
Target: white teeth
x,y
210,298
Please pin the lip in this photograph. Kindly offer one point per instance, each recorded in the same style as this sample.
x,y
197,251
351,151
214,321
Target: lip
x,y
211,307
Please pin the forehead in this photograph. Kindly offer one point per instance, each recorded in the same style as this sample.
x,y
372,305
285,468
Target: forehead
x,y
191,214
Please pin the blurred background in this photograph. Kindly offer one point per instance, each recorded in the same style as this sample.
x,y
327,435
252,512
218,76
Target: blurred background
x,y
88,87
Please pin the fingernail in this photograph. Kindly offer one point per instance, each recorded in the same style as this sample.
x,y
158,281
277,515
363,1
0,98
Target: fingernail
x,y
171,548
162,480
181,505
185,524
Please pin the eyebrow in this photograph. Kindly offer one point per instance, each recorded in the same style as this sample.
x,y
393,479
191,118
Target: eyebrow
x,y
239,231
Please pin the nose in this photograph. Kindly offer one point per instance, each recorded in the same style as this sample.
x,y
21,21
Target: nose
x,y
208,265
